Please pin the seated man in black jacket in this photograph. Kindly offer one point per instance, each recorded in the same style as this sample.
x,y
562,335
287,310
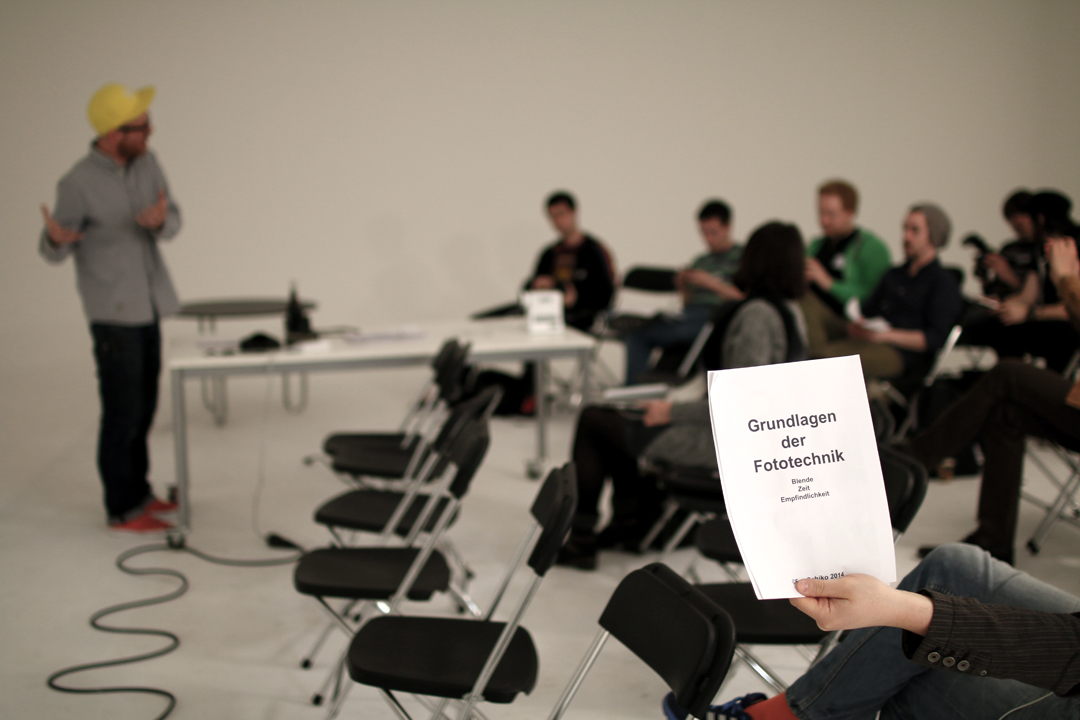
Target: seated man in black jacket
x,y
962,636
577,264
920,300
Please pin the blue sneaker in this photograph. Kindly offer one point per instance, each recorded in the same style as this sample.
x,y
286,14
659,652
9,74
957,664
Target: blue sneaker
x,y
733,710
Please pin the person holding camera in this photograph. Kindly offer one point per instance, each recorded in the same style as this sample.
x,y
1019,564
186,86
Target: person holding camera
x,y
1033,320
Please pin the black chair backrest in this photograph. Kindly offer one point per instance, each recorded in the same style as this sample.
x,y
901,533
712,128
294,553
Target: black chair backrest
x,y
450,374
447,350
467,453
884,422
650,279
685,637
905,485
554,510
463,411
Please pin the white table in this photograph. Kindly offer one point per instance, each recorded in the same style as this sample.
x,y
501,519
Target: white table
x,y
490,341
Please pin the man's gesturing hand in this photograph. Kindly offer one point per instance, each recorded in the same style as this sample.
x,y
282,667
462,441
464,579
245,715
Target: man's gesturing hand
x,y
153,216
59,234
858,601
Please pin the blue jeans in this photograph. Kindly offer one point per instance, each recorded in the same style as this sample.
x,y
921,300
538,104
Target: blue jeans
x,y
868,671
128,364
662,334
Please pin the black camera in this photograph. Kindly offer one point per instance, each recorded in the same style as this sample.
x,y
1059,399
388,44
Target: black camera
x,y
983,249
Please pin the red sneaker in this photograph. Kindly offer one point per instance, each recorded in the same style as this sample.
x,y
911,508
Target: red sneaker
x,y
160,507
145,523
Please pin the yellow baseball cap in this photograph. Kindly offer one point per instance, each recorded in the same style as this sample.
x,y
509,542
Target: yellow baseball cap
x,y
114,105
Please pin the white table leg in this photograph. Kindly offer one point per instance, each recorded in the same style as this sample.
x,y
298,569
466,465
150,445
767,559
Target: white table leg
x,y
535,468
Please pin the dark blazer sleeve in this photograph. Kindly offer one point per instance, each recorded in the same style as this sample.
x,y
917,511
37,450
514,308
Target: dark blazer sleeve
x,y
969,637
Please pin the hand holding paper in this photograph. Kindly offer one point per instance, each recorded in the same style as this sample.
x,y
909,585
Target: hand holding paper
x,y
802,480
858,601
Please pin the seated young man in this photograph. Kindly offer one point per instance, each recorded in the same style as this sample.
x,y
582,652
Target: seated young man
x,y
576,263
1004,272
1032,320
919,299
963,637
846,262
703,286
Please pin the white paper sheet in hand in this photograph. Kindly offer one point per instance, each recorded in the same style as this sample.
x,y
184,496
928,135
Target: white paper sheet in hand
x,y
802,480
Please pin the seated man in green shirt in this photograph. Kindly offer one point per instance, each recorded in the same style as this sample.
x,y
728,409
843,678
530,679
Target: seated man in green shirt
x,y
846,262
704,286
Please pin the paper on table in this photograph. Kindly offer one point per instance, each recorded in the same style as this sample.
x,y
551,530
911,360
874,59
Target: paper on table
x,y
801,475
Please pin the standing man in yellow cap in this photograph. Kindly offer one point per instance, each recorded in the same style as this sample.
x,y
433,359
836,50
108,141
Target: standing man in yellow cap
x,y
111,210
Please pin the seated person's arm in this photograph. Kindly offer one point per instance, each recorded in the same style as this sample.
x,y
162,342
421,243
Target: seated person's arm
x,y
543,277
1002,269
1049,312
939,314
1065,273
597,289
1032,646
1015,308
903,339
709,282
858,601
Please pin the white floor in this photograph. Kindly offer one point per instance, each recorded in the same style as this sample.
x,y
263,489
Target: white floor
x,y
243,630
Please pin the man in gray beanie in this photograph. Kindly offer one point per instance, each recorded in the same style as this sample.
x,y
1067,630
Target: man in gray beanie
x,y
919,302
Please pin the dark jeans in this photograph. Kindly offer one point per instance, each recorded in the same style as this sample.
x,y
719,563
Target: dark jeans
x,y
1055,340
1009,403
607,445
128,364
663,334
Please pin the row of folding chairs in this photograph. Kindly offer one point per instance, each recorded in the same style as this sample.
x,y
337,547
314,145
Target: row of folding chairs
x,y
463,660
446,661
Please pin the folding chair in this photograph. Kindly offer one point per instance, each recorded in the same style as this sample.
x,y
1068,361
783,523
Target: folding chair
x,y
388,454
462,659
401,513
650,280
687,639
777,622
910,400
415,571
694,489
1066,506
394,511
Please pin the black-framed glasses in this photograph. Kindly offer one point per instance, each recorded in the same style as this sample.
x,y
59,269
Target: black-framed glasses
x,y
140,128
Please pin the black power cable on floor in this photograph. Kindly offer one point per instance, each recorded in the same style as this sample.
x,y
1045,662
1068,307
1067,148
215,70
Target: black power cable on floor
x,y
174,641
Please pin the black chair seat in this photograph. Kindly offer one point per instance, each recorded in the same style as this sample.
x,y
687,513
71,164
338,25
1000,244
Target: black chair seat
x,y
368,573
370,510
762,622
696,488
716,540
382,462
351,443
441,657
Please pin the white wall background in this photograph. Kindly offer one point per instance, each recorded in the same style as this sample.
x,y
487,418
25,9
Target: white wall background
x,y
392,157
